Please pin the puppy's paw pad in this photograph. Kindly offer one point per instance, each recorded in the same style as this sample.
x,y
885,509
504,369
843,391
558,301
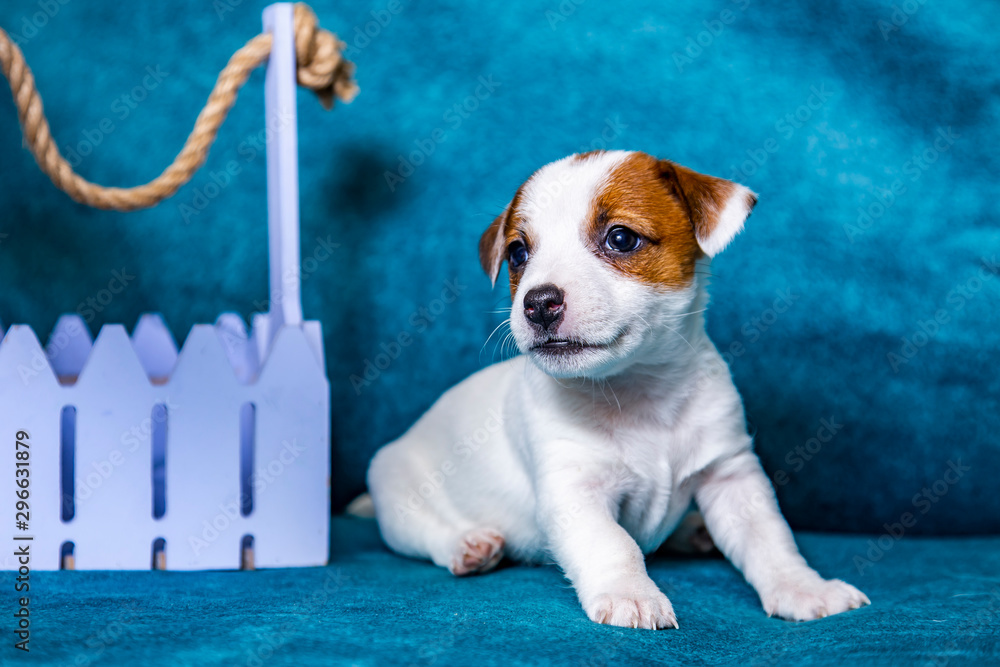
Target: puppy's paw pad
x,y
812,598
478,551
651,611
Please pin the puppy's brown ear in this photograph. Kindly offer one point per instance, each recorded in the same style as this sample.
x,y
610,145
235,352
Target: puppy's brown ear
x,y
718,208
492,246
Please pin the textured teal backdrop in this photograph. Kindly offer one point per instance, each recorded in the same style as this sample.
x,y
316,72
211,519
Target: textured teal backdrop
x,y
861,296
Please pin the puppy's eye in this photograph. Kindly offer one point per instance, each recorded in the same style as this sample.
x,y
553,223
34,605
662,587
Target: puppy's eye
x,y
517,254
622,239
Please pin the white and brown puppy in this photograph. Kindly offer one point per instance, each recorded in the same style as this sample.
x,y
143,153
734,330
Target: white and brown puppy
x,y
590,447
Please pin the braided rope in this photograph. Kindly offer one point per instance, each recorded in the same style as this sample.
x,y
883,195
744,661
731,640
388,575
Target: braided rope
x,y
319,66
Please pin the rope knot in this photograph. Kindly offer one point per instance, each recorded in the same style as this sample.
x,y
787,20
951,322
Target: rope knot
x,y
320,66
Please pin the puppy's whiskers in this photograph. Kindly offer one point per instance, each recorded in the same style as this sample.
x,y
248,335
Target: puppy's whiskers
x,y
501,346
508,340
615,394
605,383
506,322
693,312
682,337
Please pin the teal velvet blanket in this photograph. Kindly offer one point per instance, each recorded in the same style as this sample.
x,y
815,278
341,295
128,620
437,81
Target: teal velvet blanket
x,y
935,601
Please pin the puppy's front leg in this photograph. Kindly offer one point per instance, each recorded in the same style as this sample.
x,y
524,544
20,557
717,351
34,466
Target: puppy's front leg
x,y
602,560
742,516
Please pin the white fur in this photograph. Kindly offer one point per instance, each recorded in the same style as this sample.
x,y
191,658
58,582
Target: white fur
x,y
592,460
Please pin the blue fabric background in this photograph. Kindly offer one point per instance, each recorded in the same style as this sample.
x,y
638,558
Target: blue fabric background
x,y
710,89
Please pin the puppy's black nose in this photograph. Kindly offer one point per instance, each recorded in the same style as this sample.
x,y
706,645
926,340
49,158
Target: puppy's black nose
x,y
544,306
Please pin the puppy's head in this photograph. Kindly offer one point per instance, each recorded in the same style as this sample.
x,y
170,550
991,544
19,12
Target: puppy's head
x,y
601,249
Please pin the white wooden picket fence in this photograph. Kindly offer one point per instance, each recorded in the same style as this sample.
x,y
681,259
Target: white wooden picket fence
x,y
213,457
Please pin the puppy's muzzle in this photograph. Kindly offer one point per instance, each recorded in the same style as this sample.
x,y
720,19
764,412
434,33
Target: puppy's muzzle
x,y
544,306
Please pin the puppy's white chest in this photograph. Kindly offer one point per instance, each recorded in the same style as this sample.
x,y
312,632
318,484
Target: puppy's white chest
x,y
652,502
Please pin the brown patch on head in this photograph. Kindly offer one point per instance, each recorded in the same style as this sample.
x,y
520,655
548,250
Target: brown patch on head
x,y
706,197
679,214
517,230
491,246
505,229
637,197
580,157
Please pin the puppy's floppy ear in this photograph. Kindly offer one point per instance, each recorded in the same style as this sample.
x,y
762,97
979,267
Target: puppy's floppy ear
x,y
492,246
718,208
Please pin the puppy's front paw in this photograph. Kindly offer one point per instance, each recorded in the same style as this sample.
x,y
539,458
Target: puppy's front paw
x,y
808,597
478,551
633,607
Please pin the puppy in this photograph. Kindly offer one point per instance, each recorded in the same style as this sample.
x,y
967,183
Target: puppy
x,y
590,447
